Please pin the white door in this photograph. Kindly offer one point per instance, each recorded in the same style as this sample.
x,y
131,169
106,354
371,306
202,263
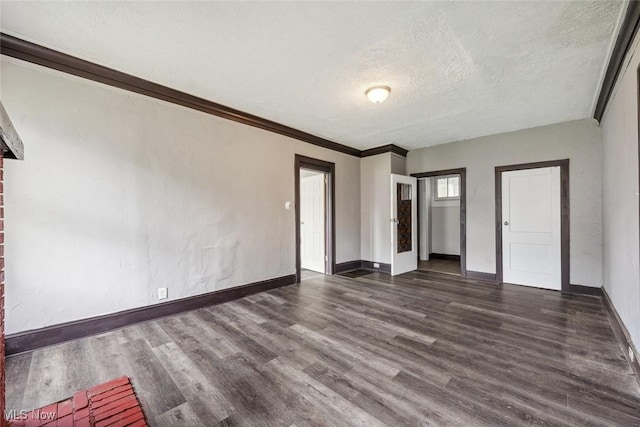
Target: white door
x,y
312,222
404,220
531,240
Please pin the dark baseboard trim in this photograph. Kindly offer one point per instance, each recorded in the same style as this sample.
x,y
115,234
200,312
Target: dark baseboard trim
x,y
348,266
479,275
51,335
40,55
628,30
622,335
584,290
368,265
445,256
390,148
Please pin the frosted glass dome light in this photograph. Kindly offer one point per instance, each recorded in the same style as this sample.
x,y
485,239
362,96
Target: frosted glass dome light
x,y
377,94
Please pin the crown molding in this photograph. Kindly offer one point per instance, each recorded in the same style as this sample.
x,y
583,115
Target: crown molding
x,y
628,31
40,55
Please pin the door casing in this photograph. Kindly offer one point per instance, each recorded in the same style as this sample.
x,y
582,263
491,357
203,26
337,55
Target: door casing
x,y
463,210
303,162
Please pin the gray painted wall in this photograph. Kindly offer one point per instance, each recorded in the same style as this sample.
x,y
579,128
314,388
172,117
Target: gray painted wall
x,y
579,140
620,196
120,194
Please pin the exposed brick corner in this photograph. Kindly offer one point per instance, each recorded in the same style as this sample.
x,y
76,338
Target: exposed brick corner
x,y
112,404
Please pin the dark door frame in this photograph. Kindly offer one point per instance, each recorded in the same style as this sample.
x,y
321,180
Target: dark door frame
x,y
303,162
463,211
564,215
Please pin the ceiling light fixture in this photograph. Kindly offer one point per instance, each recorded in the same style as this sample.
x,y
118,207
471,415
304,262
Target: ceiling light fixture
x,y
377,94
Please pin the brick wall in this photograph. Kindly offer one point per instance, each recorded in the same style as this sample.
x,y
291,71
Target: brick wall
x,y
2,370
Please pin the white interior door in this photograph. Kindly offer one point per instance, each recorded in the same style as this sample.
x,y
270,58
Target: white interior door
x,y
312,222
531,239
404,220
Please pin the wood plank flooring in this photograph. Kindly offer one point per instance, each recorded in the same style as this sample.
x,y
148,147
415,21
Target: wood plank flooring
x,y
440,266
417,349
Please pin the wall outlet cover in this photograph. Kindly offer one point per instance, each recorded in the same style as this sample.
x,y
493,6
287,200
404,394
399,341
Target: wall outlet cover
x,y
376,265
162,293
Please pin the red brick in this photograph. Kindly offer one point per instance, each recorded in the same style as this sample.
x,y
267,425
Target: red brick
x,y
141,423
118,407
133,418
80,400
81,413
98,399
32,421
108,386
49,408
85,422
118,419
65,421
115,408
65,408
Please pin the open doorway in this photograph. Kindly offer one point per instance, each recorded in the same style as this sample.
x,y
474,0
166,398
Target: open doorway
x,y
441,221
315,213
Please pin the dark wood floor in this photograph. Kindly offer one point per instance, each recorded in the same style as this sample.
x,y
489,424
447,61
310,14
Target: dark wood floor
x,y
449,266
308,274
417,349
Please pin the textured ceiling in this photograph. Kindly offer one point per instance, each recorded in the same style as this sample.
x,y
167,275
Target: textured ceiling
x,y
457,70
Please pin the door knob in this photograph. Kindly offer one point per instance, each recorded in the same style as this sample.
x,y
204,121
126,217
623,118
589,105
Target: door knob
x,y
506,223
394,220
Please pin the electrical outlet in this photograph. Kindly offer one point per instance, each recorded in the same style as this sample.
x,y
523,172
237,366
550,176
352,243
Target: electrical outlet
x,y
376,265
162,293
631,354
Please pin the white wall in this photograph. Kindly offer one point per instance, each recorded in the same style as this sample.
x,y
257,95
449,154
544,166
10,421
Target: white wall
x,y
424,216
620,196
375,231
579,140
445,226
120,194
